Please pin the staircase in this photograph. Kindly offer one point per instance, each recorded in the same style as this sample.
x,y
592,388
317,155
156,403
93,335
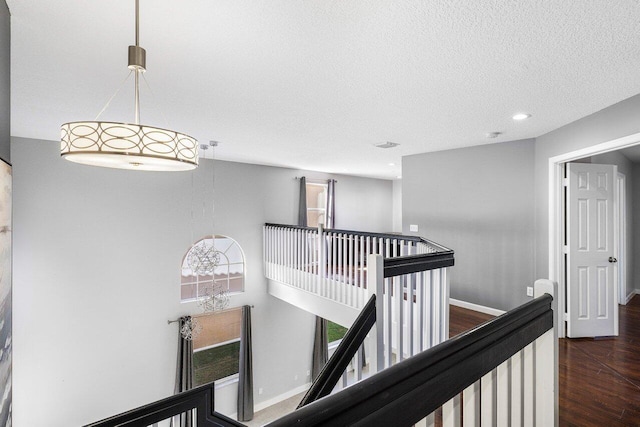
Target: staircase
x,y
333,273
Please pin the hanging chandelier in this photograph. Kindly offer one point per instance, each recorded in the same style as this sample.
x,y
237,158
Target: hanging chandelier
x,y
129,145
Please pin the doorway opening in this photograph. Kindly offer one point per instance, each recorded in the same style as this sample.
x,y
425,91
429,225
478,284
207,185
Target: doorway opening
x,y
556,214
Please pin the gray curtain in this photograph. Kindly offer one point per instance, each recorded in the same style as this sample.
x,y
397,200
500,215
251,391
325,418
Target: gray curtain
x,y
331,203
245,383
302,203
320,348
184,369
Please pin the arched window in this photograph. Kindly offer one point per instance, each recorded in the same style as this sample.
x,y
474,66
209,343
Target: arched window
x,y
224,256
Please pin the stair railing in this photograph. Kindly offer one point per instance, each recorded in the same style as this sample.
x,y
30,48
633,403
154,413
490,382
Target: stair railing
x,y
350,346
196,404
408,275
503,372
332,263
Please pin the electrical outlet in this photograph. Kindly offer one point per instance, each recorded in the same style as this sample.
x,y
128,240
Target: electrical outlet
x,y
308,373
529,291
295,378
260,390
413,228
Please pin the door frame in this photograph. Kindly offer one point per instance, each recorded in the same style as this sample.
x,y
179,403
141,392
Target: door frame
x,y
621,215
556,213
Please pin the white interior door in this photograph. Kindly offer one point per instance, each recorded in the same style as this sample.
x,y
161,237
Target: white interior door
x,y
592,300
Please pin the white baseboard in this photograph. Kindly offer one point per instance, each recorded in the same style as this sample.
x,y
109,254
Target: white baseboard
x,y
284,396
632,294
476,307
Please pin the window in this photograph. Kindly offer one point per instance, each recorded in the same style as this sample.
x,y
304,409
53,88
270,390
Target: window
x,y
216,350
335,332
316,204
228,273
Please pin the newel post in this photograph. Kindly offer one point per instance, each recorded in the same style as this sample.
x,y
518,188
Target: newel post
x,y
375,286
546,362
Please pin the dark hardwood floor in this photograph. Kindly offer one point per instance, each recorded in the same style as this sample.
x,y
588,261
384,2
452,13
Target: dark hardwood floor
x,y
461,319
599,378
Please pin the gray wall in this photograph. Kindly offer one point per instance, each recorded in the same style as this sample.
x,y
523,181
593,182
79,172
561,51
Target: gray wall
x,y
626,167
97,256
479,202
397,206
5,83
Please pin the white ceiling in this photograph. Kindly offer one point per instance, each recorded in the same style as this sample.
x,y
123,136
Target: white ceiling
x,y
315,84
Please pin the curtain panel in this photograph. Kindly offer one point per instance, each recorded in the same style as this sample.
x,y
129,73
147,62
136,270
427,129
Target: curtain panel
x,y
184,371
245,381
302,203
331,204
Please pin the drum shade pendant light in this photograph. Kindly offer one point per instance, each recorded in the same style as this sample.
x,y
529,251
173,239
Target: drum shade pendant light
x,y
126,145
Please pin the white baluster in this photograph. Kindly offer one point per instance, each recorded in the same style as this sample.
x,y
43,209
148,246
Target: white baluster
x,y
427,286
361,271
334,253
451,412
471,405
488,399
445,303
411,279
435,307
321,261
388,321
291,256
503,395
357,369
352,285
399,315
528,385
305,259
516,389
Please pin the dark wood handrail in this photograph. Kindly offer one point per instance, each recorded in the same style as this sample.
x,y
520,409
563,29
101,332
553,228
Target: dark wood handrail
x,y
412,389
365,233
398,266
347,349
200,398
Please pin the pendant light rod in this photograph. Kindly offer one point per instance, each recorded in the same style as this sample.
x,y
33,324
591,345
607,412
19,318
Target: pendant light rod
x,y
138,23
137,81
137,63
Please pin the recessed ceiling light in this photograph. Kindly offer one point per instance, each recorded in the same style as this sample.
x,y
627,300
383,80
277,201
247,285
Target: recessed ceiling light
x,y
392,164
399,177
521,116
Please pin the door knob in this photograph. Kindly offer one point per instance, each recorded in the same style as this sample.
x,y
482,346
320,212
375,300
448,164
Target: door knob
x,y
612,259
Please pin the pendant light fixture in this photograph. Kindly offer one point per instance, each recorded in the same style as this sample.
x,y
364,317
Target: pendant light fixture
x,y
126,145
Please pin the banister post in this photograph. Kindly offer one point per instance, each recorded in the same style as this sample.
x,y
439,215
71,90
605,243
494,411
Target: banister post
x,y
375,286
546,353
321,260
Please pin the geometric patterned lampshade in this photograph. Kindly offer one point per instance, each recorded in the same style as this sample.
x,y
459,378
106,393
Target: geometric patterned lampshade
x,y
125,145
128,146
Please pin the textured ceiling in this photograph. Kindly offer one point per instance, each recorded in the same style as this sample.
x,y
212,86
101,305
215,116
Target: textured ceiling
x,y
316,84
